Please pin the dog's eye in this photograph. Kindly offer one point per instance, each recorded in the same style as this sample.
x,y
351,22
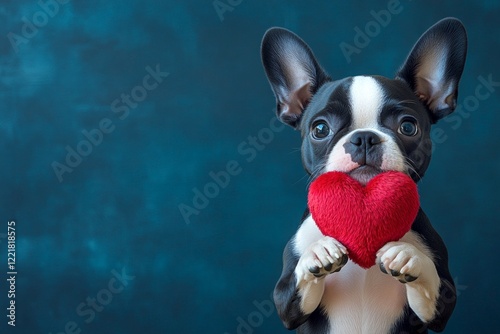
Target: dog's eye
x,y
408,128
320,130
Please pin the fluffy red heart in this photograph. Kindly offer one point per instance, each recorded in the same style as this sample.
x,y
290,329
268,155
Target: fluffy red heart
x,y
364,218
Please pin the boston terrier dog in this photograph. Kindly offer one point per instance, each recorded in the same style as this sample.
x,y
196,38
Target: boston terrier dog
x,y
365,125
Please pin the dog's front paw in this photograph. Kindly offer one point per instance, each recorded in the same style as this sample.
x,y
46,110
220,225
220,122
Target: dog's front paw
x,y
411,265
321,258
401,260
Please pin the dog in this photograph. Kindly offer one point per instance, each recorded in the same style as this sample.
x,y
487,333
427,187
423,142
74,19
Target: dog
x,y
365,125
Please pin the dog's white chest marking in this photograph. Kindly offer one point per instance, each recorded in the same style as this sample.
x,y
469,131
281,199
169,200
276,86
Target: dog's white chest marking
x,y
362,301
356,300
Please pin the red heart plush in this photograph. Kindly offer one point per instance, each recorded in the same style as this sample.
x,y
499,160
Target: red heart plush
x,y
364,218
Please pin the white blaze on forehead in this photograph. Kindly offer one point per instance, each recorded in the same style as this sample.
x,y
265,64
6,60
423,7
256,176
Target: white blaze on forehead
x,y
366,97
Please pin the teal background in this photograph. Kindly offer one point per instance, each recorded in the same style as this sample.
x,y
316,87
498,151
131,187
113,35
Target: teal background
x,y
119,208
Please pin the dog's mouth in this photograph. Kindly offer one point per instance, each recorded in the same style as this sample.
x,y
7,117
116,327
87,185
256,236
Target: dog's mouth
x,y
363,174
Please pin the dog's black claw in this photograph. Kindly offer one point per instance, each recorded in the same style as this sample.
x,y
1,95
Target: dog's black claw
x,y
314,270
395,273
382,268
318,275
344,259
329,267
402,281
410,278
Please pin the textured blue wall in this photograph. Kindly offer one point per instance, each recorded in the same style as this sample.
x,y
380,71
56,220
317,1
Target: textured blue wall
x,y
84,70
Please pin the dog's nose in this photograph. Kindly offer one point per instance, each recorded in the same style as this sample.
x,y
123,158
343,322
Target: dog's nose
x,y
365,138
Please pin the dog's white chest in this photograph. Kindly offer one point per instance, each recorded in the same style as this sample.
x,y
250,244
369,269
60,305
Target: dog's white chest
x,y
360,301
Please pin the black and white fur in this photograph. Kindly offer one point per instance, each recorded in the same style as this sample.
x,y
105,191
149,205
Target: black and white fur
x,y
364,125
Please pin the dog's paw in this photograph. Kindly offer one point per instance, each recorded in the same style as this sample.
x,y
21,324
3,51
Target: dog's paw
x,y
401,260
408,264
321,258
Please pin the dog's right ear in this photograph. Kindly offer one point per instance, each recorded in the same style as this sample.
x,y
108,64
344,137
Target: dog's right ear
x,y
293,72
435,65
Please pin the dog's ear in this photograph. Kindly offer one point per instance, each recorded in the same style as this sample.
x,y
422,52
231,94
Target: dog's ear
x,y
434,66
293,72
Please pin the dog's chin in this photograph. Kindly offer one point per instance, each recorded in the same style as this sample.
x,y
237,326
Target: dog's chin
x,y
365,173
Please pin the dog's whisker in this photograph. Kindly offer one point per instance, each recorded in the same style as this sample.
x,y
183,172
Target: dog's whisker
x,y
409,164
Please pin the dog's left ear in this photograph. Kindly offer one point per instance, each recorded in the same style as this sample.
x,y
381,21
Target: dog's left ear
x,y
434,66
293,72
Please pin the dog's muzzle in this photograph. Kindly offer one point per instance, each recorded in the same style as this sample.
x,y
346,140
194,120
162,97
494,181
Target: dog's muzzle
x,y
366,150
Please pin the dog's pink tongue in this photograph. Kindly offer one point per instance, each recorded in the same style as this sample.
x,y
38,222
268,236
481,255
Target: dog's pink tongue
x,y
364,218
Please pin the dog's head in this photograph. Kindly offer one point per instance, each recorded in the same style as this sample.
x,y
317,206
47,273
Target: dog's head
x,y
364,125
